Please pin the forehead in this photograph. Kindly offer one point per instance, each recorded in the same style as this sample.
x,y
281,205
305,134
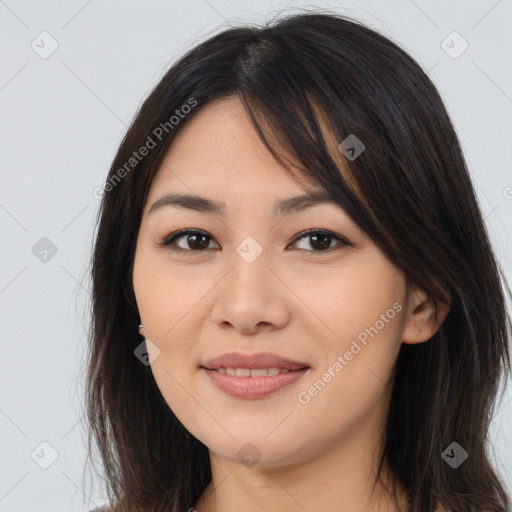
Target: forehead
x,y
218,151
222,132
218,164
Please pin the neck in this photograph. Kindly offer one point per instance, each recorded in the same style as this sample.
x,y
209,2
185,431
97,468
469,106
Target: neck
x,y
342,477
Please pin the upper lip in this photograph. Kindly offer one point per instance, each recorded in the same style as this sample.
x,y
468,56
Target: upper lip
x,y
260,360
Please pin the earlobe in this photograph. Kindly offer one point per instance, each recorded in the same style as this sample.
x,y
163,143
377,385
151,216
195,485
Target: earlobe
x,y
422,322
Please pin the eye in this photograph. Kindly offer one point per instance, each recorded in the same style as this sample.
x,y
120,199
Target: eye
x,y
196,240
322,239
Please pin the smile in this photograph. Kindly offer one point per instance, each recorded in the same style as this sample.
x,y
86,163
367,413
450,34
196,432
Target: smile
x,y
253,383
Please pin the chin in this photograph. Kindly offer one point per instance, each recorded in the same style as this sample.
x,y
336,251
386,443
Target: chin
x,y
258,450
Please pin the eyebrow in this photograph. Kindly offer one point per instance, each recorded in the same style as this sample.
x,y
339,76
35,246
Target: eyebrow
x,y
205,205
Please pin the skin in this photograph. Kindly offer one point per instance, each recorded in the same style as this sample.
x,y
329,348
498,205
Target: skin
x,y
308,305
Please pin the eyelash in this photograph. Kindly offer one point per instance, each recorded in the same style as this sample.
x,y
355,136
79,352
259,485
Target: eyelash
x,y
170,239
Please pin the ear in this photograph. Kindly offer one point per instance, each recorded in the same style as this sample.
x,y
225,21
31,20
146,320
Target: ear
x,y
422,323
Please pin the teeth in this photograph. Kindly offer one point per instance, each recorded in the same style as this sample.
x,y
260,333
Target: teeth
x,y
260,372
252,372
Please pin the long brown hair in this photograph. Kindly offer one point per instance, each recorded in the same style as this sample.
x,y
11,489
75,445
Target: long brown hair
x,y
409,190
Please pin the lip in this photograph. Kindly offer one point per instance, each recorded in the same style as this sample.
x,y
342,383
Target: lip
x,y
253,387
260,360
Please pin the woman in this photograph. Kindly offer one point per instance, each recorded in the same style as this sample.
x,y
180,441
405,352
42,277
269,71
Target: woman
x,y
295,301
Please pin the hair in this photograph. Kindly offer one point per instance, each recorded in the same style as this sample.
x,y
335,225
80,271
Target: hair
x,y
299,77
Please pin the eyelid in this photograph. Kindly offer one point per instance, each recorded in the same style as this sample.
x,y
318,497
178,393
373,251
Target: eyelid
x,y
340,238
170,239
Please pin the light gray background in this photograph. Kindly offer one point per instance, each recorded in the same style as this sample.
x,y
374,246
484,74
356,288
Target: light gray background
x,y
62,119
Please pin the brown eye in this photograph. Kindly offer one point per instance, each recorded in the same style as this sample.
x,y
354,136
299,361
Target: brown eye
x,y
321,241
193,241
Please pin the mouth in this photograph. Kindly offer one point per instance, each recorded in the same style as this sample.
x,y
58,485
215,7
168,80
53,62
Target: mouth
x,y
253,376
252,362
253,372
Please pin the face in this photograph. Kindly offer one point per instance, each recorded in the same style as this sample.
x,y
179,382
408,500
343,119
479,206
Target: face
x,y
253,282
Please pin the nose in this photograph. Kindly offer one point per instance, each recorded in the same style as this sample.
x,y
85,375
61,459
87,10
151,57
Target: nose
x,y
251,297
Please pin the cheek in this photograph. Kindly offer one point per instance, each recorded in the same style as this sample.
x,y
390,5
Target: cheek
x,y
364,314
353,386
167,298
349,300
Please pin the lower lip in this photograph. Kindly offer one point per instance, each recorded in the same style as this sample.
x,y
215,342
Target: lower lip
x,y
253,387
